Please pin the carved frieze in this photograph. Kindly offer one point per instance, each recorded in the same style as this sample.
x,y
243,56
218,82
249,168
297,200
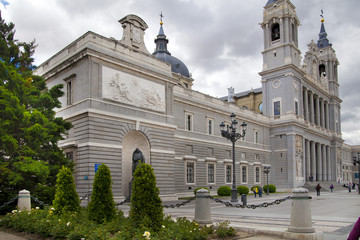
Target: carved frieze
x,y
126,88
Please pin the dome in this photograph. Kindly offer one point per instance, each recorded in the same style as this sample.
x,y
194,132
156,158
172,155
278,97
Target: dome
x,y
177,66
161,52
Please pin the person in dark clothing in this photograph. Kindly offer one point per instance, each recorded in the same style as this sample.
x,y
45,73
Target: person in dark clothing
x,y
318,187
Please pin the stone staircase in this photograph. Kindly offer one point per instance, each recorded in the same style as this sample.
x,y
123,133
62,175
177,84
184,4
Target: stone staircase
x,y
325,186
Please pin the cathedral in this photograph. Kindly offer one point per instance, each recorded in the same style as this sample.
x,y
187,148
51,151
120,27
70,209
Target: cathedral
x,y
122,99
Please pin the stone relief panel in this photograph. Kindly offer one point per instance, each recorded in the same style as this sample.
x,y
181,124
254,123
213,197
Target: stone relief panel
x,y
126,88
299,156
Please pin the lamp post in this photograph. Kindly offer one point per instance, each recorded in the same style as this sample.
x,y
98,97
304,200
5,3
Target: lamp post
x,y
231,134
266,171
357,161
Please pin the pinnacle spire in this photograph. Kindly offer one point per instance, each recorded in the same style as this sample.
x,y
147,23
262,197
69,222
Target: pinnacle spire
x,y
323,41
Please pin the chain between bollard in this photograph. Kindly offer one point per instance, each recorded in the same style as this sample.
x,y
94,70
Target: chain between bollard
x,y
252,206
180,204
38,201
9,202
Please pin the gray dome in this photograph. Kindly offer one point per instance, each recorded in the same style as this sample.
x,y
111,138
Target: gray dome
x,y
163,54
177,66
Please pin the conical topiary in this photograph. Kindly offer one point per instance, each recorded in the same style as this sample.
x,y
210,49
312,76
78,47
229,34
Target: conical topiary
x,y
102,205
146,209
66,197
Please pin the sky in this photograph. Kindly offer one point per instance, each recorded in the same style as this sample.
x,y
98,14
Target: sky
x,y
219,41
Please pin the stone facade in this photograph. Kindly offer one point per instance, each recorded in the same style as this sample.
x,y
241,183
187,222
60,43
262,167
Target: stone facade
x,y
119,97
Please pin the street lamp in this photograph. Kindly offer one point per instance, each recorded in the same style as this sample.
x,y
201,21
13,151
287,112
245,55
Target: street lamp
x,y
231,134
357,161
266,171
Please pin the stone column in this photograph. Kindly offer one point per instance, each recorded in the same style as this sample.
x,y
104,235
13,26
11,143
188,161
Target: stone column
x,y
317,103
330,176
313,160
324,163
311,118
24,201
300,219
202,207
318,163
327,116
322,113
308,162
306,105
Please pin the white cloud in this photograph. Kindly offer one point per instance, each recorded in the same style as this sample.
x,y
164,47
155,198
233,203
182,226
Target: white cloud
x,y
219,41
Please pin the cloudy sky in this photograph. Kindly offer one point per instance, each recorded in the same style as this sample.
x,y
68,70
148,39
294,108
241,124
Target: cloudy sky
x,y
219,41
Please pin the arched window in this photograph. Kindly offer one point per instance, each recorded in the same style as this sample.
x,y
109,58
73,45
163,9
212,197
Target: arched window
x,y
322,72
275,32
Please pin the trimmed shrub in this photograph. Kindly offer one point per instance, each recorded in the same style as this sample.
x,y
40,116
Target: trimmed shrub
x,y
66,197
255,186
272,188
242,190
200,188
146,209
102,205
224,191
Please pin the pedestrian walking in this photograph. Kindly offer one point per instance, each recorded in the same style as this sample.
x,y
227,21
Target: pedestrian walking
x,y
260,191
318,187
331,187
255,191
349,186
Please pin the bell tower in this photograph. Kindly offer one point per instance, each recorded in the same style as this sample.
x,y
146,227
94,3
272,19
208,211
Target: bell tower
x,y
280,26
281,72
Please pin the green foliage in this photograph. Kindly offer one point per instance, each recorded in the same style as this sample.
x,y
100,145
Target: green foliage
x,y
102,205
223,229
255,186
74,226
146,209
29,130
242,190
66,197
224,191
272,188
200,188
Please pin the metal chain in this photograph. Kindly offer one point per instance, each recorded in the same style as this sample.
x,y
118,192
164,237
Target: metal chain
x,y
180,204
121,203
86,195
252,206
38,201
7,203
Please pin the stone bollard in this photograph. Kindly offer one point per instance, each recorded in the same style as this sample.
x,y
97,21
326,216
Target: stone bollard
x,y
202,207
301,221
24,201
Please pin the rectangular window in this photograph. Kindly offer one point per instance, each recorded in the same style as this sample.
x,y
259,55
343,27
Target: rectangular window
x,y
70,156
296,108
211,173
210,126
244,174
257,174
210,152
188,121
277,109
257,157
256,137
70,92
189,172
228,174
243,155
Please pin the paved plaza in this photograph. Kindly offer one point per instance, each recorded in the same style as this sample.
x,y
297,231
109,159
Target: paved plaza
x,y
334,214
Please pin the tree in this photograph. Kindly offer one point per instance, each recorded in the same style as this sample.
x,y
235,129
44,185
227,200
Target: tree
x,y
146,209
66,197
29,131
102,205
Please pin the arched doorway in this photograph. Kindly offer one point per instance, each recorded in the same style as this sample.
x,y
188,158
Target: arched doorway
x,y
132,140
